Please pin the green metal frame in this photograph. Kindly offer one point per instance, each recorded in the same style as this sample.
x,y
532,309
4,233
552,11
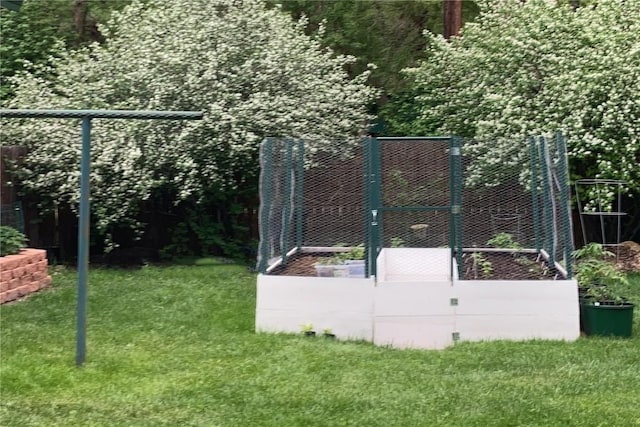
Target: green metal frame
x,y
535,194
265,179
85,170
565,202
11,4
547,205
375,208
299,189
293,181
286,208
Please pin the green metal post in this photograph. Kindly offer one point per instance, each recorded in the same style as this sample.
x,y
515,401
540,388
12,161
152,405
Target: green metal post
x,y
366,176
547,210
265,203
534,162
375,212
83,242
299,189
289,170
455,188
85,165
565,203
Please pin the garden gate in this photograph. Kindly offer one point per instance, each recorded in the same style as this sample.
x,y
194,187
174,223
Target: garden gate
x,y
414,197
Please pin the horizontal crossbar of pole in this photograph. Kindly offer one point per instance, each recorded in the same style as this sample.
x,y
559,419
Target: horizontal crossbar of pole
x,y
101,114
415,208
413,138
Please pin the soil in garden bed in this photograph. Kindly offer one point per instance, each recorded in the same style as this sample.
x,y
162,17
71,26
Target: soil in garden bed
x,y
300,264
504,266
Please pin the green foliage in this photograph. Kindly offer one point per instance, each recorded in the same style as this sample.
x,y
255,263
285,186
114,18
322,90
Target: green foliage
x,y
596,271
503,240
592,251
11,240
306,328
40,30
339,258
524,68
397,242
480,264
388,34
180,245
250,69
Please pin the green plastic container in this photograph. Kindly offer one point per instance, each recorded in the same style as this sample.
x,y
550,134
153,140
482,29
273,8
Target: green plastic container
x,y
608,319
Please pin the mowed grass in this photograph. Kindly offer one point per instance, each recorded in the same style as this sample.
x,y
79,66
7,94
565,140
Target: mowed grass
x,y
175,346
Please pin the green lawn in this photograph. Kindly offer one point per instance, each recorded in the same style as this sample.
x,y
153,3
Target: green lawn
x,y
175,346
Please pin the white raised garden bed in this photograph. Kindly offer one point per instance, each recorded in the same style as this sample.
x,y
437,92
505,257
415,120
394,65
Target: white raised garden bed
x,y
419,305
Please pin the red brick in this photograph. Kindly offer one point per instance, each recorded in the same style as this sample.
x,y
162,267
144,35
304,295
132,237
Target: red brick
x,y
43,283
10,295
19,272
23,290
42,265
4,286
6,275
38,275
9,262
30,268
35,255
22,259
15,283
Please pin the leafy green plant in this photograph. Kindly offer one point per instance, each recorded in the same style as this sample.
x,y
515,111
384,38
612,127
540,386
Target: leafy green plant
x,y
592,251
480,263
504,240
328,333
307,329
397,242
598,274
355,252
11,240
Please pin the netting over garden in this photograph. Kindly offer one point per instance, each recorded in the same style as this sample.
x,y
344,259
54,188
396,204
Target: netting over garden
x,y
319,201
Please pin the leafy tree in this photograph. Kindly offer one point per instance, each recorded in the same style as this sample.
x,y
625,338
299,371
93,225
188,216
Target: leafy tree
x,y
530,67
250,69
386,33
41,29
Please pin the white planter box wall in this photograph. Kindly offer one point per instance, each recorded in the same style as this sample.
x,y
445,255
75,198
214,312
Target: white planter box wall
x,y
343,304
516,310
417,305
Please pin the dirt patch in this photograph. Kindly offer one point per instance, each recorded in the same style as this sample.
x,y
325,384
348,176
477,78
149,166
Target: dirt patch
x,y
300,265
503,266
628,259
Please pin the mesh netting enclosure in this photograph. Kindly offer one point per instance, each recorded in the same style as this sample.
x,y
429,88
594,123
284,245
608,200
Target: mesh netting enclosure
x,y
519,206
491,217
310,198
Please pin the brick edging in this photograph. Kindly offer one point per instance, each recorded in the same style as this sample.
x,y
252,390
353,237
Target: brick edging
x,y
23,273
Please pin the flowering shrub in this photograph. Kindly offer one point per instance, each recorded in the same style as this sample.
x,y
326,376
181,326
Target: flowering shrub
x,y
525,68
251,70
